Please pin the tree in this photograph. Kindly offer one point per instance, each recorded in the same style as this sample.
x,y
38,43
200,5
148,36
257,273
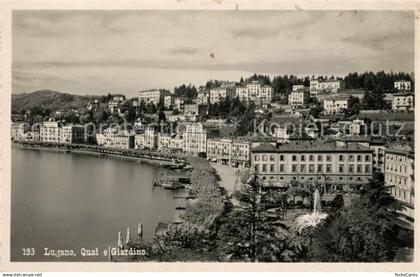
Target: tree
x,y
374,99
249,230
367,231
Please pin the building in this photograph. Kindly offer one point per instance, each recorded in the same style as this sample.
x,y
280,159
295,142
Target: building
x,y
116,101
298,87
254,92
335,104
402,85
323,86
178,104
378,148
229,151
195,139
221,93
151,137
139,141
403,102
298,98
50,132
203,97
72,134
113,138
399,176
312,163
163,142
154,96
168,101
191,109
281,134
18,131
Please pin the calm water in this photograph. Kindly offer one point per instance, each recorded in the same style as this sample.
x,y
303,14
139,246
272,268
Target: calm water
x,y
70,201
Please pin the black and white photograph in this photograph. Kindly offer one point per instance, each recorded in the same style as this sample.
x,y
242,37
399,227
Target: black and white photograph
x,y
212,136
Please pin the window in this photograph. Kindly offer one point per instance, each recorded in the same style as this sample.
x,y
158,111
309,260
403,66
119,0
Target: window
x,y
367,169
272,158
311,158
303,168
329,168
294,168
264,168
359,158
367,158
281,158
328,158
311,168
320,168
294,158
257,168
341,158
281,168
351,168
341,168
264,158
302,158
351,158
359,168
320,158
272,168
257,158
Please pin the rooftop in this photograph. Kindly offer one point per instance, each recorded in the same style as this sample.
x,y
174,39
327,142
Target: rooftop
x,y
310,146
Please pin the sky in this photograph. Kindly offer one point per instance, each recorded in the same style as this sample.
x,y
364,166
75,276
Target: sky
x,y
100,52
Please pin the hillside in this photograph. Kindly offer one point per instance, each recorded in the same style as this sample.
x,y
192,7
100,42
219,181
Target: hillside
x,y
52,100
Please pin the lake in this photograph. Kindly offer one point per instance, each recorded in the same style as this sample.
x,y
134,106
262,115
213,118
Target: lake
x,y
73,201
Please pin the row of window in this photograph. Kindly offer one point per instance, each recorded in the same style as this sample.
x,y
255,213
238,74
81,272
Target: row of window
x,y
303,168
294,178
311,158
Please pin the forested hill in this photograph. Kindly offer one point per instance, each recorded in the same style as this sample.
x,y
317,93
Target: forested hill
x,y
48,99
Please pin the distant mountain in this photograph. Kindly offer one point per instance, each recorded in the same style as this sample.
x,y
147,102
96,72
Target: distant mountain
x,y
53,100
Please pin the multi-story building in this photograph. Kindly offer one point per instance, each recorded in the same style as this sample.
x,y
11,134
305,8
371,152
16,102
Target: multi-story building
x,y
163,142
402,85
298,98
255,92
195,139
113,138
322,86
399,176
168,101
178,104
154,96
18,131
203,97
139,141
403,102
313,163
50,132
72,134
151,137
115,103
191,109
176,143
221,93
298,87
335,104
229,151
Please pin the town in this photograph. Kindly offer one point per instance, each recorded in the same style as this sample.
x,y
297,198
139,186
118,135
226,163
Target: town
x,y
290,133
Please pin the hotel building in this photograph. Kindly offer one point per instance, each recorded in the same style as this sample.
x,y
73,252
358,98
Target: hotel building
x,y
72,134
50,132
298,98
402,85
221,93
399,176
312,163
152,96
335,105
255,92
322,86
195,139
403,102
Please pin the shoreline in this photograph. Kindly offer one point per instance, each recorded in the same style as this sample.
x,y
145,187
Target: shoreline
x,y
151,161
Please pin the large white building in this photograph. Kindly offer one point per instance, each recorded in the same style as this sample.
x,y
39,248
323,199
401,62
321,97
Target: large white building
x,y
399,176
255,92
322,86
229,151
298,98
18,131
402,85
403,102
72,134
152,95
221,93
113,138
151,137
335,104
312,163
195,139
50,132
